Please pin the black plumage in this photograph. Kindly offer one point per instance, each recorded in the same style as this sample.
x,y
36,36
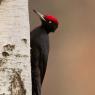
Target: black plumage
x,y
39,56
39,42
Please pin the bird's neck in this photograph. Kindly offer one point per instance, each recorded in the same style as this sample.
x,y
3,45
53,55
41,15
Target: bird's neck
x,y
44,28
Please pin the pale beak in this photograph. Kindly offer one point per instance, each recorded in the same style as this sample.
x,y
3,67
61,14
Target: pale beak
x,y
39,14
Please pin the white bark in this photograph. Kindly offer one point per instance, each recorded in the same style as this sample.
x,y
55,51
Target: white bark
x,y
15,71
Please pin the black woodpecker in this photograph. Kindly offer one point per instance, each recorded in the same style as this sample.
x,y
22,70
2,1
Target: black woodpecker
x,y
39,41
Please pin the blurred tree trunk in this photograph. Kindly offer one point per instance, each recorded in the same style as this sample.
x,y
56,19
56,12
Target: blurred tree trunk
x,y
15,71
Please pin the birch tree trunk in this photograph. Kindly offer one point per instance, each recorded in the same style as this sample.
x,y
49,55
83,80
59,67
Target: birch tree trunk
x,y
15,68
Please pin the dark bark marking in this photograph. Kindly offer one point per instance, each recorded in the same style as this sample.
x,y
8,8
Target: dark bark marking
x,y
24,40
17,85
2,61
9,47
5,54
19,55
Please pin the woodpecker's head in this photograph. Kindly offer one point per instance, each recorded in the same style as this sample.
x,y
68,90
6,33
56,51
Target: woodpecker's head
x,y
50,23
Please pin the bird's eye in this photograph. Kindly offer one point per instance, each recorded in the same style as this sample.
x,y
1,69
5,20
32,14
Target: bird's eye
x,y
50,22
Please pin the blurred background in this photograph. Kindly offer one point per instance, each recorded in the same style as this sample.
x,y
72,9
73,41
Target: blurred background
x,y
71,64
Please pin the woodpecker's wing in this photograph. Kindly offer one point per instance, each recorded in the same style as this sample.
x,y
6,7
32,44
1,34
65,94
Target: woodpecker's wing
x,y
36,78
35,58
39,63
43,65
40,48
